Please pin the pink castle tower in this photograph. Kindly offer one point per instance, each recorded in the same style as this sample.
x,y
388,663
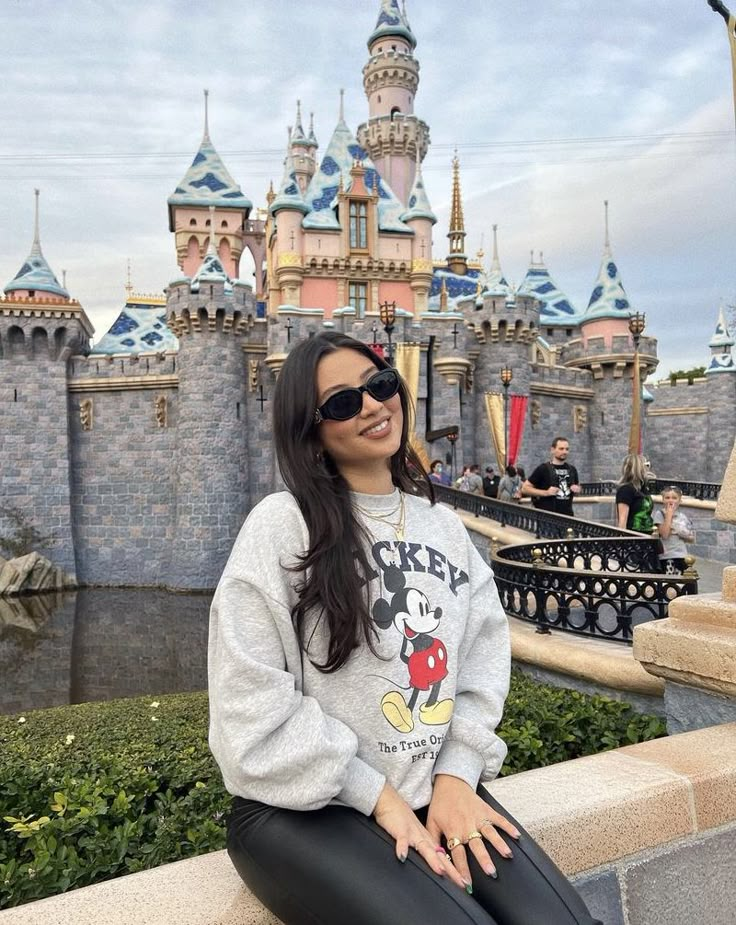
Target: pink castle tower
x,y
393,136
207,183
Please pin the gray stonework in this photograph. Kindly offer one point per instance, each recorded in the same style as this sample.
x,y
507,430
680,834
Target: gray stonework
x,y
684,882
131,499
690,708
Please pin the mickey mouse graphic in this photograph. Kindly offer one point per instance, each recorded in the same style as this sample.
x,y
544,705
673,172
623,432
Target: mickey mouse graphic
x,y
411,613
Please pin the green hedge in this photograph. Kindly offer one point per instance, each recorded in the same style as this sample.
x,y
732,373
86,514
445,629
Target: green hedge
x,y
98,790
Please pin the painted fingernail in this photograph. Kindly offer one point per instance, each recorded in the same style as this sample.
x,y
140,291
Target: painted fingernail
x,y
402,857
469,889
516,834
508,853
491,871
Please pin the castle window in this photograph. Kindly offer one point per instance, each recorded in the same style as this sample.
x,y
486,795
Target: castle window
x,y
395,111
359,298
192,222
359,225
568,332
550,332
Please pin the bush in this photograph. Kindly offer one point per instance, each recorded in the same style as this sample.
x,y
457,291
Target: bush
x,y
97,790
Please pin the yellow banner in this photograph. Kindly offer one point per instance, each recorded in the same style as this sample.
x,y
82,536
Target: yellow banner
x,y
406,359
494,410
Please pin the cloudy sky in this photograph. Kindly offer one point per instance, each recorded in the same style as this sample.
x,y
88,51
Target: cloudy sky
x,y
553,107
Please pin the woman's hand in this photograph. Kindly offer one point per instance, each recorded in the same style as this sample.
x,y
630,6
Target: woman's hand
x,y
456,811
396,817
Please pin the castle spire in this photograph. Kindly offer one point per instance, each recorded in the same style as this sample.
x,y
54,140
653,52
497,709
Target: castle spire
x,y
496,263
607,242
36,275
496,282
206,136
457,259
312,138
341,116
392,23
36,246
721,359
297,136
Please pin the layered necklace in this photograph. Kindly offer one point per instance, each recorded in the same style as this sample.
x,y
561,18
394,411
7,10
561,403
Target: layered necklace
x,y
395,518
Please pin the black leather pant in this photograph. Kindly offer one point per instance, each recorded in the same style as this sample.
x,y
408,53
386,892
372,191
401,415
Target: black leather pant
x,y
334,866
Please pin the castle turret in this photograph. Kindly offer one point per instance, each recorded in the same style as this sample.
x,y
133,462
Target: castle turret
x,y
496,282
420,218
302,149
721,357
207,183
394,137
288,208
210,315
606,348
41,328
457,259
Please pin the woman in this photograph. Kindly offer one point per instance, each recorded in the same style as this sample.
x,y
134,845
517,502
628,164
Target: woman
x,y
509,488
359,660
436,473
633,501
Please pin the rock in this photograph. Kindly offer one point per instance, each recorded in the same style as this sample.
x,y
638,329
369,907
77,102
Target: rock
x,y
30,574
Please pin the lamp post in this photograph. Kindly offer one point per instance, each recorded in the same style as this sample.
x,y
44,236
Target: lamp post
x,y
452,437
374,332
387,314
637,323
507,374
728,17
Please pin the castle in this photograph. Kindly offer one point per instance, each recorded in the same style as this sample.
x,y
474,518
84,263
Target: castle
x,y
141,456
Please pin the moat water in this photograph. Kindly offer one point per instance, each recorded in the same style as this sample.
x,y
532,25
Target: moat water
x,y
99,644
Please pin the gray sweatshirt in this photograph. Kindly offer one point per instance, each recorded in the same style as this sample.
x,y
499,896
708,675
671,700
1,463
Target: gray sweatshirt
x,y
288,735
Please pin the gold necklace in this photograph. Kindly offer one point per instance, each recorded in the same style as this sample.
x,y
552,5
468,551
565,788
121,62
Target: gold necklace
x,y
385,518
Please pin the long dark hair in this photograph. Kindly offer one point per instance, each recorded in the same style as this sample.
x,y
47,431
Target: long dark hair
x,y
335,567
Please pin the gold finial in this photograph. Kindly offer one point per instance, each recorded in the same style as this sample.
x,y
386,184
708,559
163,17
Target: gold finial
x,y
129,284
270,195
481,253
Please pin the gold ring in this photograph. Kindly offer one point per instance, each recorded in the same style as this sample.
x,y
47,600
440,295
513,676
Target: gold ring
x,y
473,835
453,843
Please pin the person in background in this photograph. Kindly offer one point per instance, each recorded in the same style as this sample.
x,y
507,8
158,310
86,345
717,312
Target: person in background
x,y
475,481
490,483
521,472
675,530
509,488
553,484
462,482
436,472
633,501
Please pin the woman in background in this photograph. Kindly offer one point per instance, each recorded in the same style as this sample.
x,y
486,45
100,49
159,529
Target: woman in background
x,y
633,501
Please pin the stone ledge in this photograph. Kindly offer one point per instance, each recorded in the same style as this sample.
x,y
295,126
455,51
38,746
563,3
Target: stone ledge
x,y
586,813
589,659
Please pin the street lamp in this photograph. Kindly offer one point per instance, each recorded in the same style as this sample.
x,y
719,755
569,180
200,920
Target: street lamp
x,y
507,374
637,323
719,7
452,437
387,314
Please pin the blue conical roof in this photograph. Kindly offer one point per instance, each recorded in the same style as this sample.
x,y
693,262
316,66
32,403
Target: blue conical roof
x,y
722,360
418,203
312,139
608,299
36,274
211,270
208,182
722,336
321,197
556,307
458,288
392,20
139,328
289,195
495,282
298,136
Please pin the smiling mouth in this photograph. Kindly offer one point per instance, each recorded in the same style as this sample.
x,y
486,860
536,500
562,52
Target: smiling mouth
x,y
410,634
376,429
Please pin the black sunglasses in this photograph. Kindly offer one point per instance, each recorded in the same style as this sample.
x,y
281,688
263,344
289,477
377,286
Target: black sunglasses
x,y
346,403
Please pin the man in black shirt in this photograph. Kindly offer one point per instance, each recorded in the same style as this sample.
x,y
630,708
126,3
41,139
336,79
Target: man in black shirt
x,y
490,483
552,485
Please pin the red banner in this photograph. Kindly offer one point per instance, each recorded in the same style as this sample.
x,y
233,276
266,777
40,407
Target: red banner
x,y
517,414
377,349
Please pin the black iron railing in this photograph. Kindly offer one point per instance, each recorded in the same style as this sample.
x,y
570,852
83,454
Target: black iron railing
x,y
701,491
588,587
524,516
